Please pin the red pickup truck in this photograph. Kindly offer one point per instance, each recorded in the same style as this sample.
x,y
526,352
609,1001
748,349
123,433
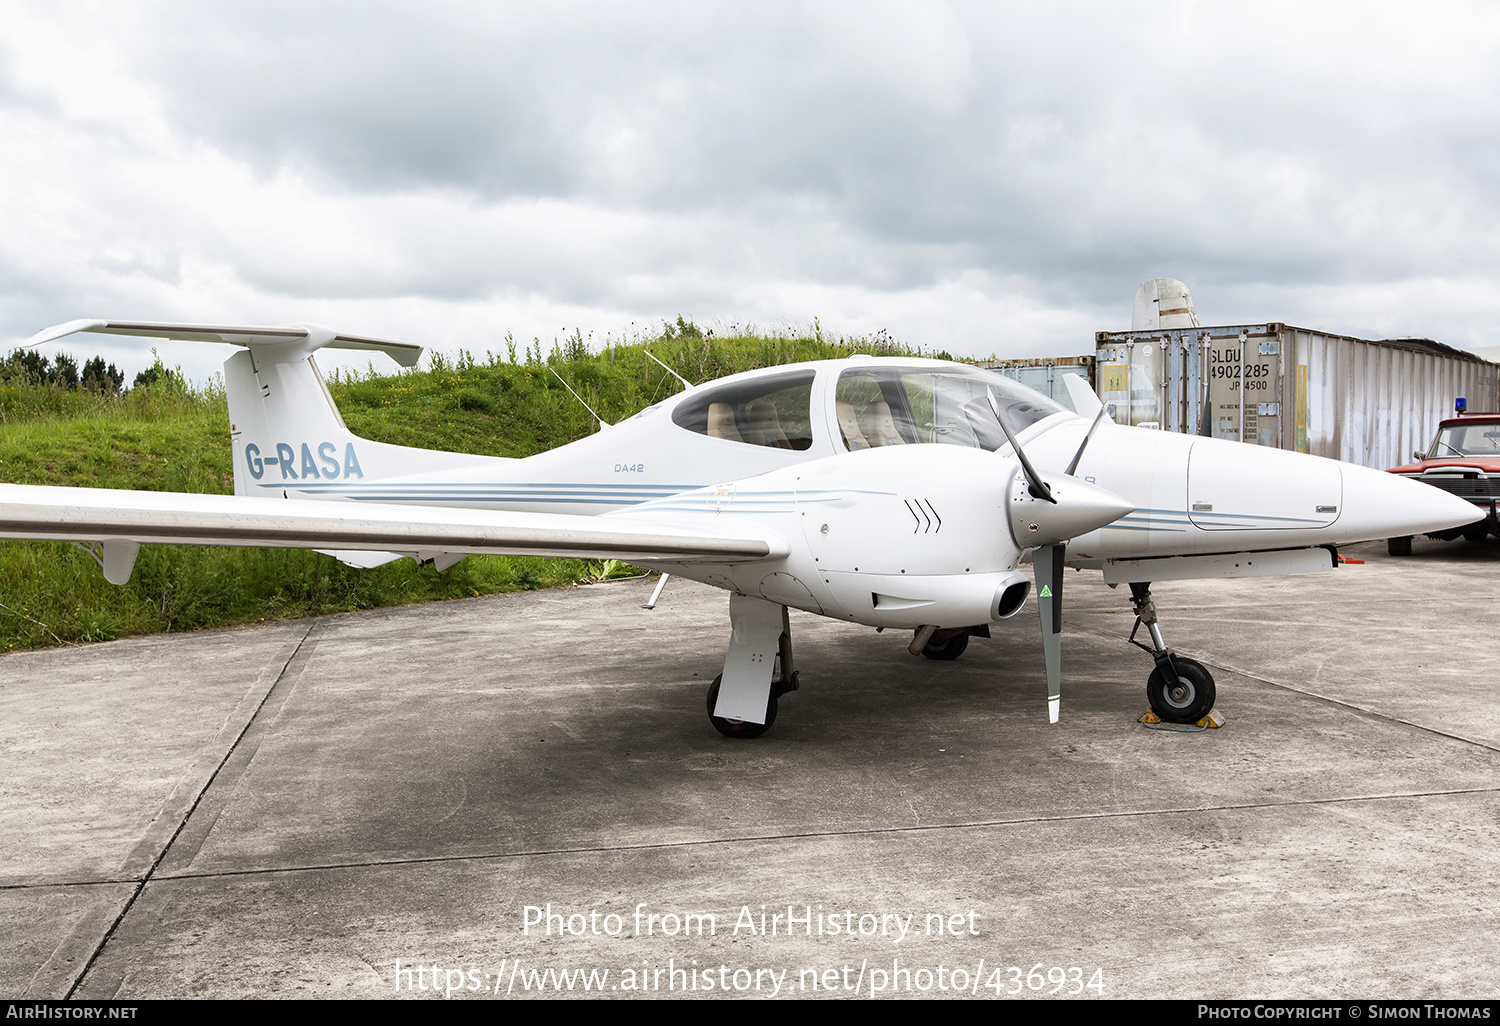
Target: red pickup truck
x,y
1464,459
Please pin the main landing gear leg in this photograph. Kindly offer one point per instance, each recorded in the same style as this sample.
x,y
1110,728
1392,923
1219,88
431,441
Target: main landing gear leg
x,y
742,700
1180,690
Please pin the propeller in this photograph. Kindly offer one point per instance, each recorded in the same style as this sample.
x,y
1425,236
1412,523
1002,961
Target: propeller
x,y
1044,516
1047,561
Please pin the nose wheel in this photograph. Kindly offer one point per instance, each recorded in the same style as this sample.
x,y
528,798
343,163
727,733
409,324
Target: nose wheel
x,y
1188,699
1180,690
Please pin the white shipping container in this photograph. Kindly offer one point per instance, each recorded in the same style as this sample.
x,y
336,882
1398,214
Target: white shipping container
x,y
1364,402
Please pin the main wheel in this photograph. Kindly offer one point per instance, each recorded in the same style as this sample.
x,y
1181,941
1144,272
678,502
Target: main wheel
x,y
738,728
1190,701
1398,546
950,649
1477,531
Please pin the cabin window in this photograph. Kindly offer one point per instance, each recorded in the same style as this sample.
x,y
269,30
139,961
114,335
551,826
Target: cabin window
x,y
880,406
769,410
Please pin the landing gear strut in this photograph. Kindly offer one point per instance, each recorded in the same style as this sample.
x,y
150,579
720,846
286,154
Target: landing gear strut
x,y
1180,690
784,679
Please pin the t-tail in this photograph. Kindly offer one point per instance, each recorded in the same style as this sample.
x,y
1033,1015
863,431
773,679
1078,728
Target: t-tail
x,y
287,435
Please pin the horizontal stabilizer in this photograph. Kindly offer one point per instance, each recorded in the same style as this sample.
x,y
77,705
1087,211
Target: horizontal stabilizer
x,y
296,339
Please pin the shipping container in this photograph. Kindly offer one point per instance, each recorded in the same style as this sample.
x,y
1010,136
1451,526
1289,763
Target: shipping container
x,y
1367,402
1045,375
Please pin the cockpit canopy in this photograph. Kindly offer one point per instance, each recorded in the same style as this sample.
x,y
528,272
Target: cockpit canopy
x,y
893,405
875,404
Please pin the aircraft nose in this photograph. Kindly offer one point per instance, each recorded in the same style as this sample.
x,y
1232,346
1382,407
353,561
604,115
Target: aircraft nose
x,y
1381,505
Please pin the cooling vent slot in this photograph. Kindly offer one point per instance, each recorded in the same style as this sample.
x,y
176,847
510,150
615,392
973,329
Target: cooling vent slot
x,y
926,518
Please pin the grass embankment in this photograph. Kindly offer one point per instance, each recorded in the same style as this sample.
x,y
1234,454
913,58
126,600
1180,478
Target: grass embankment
x,y
170,437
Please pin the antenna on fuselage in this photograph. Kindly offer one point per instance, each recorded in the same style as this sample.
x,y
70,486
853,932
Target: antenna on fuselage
x,y
602,422
685,382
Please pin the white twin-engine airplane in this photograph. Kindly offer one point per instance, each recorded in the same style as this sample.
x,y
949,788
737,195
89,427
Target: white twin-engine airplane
x,y
887,492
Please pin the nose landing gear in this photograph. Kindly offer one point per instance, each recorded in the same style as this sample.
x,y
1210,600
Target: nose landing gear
x,y
1180,690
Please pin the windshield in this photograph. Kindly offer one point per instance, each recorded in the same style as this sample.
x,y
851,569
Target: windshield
x,y
1478,439
879,406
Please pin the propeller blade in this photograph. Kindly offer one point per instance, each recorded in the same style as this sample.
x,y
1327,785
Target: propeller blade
x,y
1038,486
1048,564
1081,445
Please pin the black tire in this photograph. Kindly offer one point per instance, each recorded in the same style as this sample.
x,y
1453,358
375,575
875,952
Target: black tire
x,y
1193,700
950,649
1477,532
738,728
1398,546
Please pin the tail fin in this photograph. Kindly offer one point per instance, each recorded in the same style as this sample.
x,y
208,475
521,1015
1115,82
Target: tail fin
x,y
282,417
289,438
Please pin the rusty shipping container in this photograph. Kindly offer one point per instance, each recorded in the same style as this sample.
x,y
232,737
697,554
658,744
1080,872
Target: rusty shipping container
x,y
1365,402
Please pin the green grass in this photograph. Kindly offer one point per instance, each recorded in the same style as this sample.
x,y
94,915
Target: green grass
x,y
172,437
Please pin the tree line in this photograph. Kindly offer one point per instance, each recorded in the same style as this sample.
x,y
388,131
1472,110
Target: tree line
x,y
28,367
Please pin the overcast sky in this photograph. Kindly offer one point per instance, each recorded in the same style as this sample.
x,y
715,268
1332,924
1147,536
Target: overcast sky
x,y
984,178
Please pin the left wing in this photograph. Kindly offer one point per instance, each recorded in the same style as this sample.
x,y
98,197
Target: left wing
x,y
123,520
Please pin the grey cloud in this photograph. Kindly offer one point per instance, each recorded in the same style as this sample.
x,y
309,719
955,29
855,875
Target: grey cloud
x,y
1023,138
706,151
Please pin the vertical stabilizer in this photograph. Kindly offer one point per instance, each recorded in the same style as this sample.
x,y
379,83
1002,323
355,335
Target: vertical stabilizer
x,y
282,415
288,438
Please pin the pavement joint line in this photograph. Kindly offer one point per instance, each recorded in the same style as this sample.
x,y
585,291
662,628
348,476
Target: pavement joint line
x,y
811,834
215,797
140,884
1342,703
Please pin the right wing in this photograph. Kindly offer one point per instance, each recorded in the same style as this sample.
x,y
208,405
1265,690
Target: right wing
x,y
124,520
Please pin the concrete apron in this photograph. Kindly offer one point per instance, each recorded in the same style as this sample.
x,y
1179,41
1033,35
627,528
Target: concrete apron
x,y
337,807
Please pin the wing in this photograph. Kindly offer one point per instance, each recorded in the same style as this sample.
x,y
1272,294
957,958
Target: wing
x,y
124,520
298,337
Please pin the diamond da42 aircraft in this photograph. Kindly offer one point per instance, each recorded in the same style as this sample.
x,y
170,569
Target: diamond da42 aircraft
x,y
891,492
